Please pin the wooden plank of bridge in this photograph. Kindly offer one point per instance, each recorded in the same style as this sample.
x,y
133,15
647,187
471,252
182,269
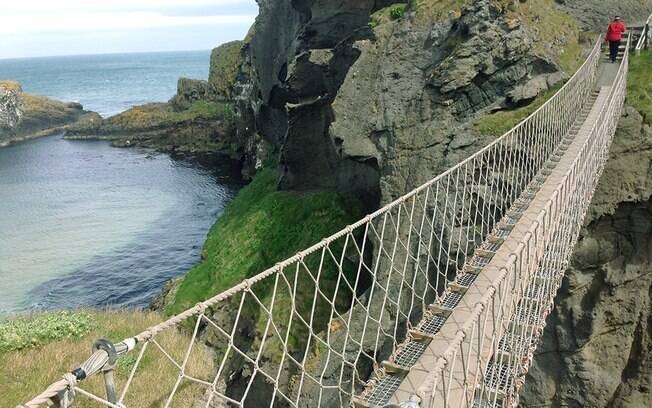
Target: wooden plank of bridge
x,y
459,388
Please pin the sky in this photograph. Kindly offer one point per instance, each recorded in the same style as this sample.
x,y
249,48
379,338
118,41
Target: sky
x,y
34,28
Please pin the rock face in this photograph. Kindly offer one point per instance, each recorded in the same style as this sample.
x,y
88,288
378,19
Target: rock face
x,y
378,111
24,116
10,112
597,347
203,127
595,14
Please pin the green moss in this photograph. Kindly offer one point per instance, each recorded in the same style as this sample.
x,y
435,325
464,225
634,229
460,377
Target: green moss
x,y
261,226
156,115
499,123
34,331
433,11
225,64
386,14
556,33
639,84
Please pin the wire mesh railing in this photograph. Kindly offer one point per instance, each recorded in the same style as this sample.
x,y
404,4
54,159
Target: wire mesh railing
x,y
312,330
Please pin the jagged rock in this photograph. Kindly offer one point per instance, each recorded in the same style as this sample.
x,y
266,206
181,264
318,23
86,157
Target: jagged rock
x,y
189,91
225,63
597,347
10,112
25,116
595,14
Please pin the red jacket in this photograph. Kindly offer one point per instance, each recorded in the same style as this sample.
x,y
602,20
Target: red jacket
x,y
615,31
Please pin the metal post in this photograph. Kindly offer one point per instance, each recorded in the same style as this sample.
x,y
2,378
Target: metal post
x,y
107,370
109,383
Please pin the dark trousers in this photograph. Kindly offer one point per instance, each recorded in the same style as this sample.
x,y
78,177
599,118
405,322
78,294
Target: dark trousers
x,y
613,50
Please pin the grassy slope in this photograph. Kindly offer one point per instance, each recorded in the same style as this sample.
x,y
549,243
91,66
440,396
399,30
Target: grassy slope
x,y
259,228
639,86
156,115
557,37
53,344
498,123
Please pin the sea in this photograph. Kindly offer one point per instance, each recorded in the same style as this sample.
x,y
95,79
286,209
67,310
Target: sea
x,y
108,83
84,224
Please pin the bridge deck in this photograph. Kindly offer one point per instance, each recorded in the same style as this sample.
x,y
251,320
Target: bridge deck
x,y
487,277
429,354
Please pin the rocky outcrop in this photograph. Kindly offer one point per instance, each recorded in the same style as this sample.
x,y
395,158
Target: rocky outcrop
x,y
10,112
376,111
189,91
203,127
595,14
597,347
24,116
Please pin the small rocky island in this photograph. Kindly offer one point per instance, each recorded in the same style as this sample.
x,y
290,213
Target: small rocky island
x,y
202,117
24,116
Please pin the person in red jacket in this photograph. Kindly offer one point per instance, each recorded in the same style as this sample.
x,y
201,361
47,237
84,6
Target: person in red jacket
x,y
614,36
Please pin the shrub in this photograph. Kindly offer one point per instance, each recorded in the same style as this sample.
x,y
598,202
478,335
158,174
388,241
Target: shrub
x,y
397,12
34,331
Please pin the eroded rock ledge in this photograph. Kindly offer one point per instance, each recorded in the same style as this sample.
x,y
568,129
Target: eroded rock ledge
x,y
25,116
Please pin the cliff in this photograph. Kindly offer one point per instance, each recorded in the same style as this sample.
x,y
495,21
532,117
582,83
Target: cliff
x,y
597,347
371,98
202,118
25,116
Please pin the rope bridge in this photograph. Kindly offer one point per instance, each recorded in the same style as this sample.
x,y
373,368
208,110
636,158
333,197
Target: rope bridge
x,y
437,299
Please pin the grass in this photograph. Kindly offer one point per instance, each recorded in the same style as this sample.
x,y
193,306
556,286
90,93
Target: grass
x,y
639,85
29,370
156,115
497,124
11,86
433,11
28,332
387,14
225,64
260,228
556,33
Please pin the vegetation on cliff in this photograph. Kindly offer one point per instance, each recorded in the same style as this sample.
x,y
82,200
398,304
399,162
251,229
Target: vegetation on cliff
x,y
499,123
225,63
639,86
33,115
61,341
160,115
260,227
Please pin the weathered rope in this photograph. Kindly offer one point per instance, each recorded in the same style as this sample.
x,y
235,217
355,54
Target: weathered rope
x,y
410,249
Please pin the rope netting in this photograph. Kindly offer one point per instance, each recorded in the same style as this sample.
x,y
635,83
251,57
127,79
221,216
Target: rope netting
x,y
487,363
315,329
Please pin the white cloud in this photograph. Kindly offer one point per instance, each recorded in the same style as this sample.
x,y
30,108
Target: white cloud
x,y
102,21
28,7
55,27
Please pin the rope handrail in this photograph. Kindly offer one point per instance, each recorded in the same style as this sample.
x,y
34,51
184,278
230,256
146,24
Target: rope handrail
x,y
604,129
410,249
645,37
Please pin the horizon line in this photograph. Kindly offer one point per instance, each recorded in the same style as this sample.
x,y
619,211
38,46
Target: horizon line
x,y
105,53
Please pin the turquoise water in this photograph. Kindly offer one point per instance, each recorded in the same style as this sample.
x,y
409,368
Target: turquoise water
x,y
85,224
107,84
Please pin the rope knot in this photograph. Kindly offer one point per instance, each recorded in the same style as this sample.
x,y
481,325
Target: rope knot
x,y
71,379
